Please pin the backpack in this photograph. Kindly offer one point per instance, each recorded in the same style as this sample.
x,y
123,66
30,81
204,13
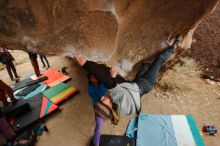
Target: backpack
x,y
28,138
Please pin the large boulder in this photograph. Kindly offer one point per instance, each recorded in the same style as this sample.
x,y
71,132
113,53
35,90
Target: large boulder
x,y
118,32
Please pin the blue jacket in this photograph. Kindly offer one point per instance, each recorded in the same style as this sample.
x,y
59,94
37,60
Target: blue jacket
x,y
96,92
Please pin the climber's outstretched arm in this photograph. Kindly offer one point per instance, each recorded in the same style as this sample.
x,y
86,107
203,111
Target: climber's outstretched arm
x,y
95,69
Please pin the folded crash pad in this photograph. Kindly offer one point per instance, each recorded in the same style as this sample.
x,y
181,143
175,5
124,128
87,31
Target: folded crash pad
x,y
54,77
40,108
37,80
32,93
116,140
60,92
16,109
21,84
27,90
165,130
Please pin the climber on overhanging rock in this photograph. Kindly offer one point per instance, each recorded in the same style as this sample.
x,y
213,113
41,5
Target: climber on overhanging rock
x,y
126,95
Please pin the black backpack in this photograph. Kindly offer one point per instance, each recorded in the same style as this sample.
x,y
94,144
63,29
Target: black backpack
x,y
28,138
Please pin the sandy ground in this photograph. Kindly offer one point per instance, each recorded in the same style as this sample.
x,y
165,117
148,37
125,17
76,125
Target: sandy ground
x,y
75,124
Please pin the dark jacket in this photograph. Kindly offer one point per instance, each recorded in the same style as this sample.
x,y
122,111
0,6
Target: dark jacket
x,y
6,57
32,56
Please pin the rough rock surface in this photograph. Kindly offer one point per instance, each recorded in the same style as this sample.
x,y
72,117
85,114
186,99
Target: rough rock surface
x,y
122,33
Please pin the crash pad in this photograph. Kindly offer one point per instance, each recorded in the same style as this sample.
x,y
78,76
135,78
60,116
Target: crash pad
x,y
116,140
21,84
38,80
40,108
33,76
28,90
60,92
16,109
165,130
38,90
54,77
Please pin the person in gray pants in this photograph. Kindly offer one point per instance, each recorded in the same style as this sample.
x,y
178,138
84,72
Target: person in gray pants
x,y
42,58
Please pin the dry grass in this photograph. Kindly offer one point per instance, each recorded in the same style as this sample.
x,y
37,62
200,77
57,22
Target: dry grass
x,y
20,57
2,67
184,75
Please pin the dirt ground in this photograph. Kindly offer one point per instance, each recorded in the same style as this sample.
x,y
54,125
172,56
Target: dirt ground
x,y
180,91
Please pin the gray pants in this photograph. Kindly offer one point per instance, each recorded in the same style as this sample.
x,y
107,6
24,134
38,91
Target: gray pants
x,y
42,58
146,78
